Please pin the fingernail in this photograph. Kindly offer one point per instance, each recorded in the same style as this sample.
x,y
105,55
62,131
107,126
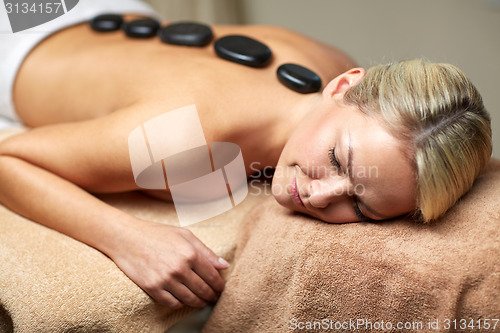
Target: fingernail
x,y
222,261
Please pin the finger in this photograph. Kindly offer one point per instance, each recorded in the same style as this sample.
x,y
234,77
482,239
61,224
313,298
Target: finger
x,y
166,298
184,295
207,272
199,287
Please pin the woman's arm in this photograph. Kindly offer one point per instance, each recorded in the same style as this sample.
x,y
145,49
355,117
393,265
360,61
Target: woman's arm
x,y
42,173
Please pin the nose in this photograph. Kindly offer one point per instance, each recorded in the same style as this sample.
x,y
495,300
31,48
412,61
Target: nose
x,y
323,192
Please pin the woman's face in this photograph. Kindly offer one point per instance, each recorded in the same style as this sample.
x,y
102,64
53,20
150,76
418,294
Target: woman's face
x,y
342,166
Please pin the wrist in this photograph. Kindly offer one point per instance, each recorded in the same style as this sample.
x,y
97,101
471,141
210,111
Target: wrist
x,y
120,234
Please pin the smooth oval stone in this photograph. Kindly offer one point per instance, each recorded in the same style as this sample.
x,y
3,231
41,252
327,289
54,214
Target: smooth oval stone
x,y
106,22
299,78
187,34
141,28
243,50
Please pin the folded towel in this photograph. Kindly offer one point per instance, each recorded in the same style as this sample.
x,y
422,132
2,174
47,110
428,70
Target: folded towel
x,y
294,273
52,283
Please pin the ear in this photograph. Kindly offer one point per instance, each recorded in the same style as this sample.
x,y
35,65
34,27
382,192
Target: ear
x,y
344,81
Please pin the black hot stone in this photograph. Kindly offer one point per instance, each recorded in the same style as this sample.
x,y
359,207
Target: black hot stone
x,y
243,50
106,22
141,28
298,78
186,33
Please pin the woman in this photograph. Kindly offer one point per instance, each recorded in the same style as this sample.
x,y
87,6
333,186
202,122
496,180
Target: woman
x,y
404,138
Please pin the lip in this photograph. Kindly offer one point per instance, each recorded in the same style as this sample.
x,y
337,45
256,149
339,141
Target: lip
x,y
294,193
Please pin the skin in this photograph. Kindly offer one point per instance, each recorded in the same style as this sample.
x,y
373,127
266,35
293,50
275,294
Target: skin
x,y
378,179
83,93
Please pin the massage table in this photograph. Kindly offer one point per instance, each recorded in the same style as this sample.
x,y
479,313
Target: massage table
x,y
288,272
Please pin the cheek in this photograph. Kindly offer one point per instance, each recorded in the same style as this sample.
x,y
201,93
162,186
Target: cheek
x,y
339,213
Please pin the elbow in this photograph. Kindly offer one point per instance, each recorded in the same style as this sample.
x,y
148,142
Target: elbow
x,y
9,147
4,149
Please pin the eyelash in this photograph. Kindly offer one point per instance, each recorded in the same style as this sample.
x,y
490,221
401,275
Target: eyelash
x,y
333,159
358,213
335,163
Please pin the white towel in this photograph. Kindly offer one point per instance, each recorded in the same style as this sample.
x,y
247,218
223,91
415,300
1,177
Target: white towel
x,y
14,47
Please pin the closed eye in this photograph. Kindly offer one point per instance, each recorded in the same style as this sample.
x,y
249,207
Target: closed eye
x,y
358,212
333,158
336,164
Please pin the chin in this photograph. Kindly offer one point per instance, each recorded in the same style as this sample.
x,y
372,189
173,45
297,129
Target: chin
x,y
280,191
288,205
280,198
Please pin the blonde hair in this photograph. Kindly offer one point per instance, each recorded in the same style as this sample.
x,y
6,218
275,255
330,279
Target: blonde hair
x,y
440,116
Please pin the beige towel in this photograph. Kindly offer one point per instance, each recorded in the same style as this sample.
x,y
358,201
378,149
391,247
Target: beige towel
x,y
52,283
295,272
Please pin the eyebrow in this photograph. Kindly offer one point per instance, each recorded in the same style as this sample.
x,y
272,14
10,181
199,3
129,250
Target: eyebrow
x,y
350,154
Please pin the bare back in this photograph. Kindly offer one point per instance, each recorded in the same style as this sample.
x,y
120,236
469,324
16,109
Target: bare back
x,y
77,74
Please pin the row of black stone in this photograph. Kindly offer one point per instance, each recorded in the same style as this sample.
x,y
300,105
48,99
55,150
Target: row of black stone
x,y
236,48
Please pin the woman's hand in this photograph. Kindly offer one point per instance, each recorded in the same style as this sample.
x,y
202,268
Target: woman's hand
x,y
37,181
170,264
